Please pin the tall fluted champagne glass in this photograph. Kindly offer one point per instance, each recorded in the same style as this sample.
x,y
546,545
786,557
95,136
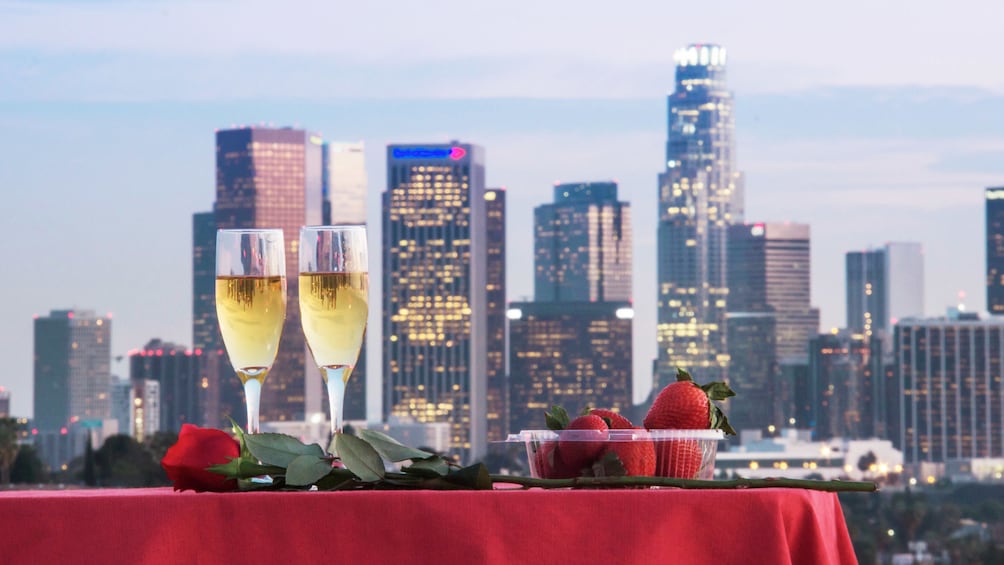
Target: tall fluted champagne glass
x,y
334,298
251,305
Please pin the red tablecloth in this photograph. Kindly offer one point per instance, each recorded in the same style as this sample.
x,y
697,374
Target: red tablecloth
x,y
504,527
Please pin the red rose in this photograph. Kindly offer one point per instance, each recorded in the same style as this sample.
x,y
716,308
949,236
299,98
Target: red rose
x,y
197,449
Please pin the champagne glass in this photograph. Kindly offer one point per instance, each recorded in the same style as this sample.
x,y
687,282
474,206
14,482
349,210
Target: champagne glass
x,y
251,305
334,297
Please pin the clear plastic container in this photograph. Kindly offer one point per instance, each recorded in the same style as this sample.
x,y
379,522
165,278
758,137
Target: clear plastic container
x,y
684,454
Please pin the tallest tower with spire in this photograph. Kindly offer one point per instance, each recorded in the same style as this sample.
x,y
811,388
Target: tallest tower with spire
x,y
700,195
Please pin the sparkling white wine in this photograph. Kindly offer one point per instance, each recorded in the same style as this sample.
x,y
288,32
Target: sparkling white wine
x,y
333,310
251,311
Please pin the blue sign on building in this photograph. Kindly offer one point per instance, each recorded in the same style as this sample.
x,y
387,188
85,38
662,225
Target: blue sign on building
x,y
454,153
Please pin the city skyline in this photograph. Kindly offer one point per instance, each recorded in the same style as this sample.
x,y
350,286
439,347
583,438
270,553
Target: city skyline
x,y
887,152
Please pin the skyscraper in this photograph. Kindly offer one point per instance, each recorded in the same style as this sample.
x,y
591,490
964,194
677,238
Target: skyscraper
x,y
884,285
951,405
265,178
344,187
575,354
497,402
847,386
582,245
995,249
344,182
72,368
435,264
770,319
700,194
572,345
769,271
175,369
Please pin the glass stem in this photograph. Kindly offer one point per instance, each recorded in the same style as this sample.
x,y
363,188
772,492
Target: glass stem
x,y
252,398
335,377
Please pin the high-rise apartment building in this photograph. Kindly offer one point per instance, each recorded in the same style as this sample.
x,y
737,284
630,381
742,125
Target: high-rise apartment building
x,y
72,369
265,178
700,194
4,403
497,401
175,369
951,403
884,285
435,265
574,354
995,249
582,245
344,188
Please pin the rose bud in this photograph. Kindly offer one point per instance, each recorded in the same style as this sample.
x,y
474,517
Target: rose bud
x,y
197,449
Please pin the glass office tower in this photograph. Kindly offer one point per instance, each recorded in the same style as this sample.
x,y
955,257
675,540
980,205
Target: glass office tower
x,y
700,194
435,264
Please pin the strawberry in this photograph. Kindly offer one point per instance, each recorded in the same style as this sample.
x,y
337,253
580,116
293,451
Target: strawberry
x,y
580,449
678,458
684,405
548,464
637,457
614,420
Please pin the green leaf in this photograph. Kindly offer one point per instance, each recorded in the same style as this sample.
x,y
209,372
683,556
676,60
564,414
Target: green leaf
x,y
720,422
359,457
609,465
242,468
474,477
718,390
557,418
391,449
683,375
279,449
431,467
306,470
335,479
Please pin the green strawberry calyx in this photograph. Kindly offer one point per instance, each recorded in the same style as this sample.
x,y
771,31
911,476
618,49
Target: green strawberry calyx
x,y
557,419
717,390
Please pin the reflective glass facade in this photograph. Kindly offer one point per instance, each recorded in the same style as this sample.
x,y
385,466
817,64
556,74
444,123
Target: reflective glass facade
x,y
574,354
700,194
582,245
768,271
995,249
951,401
72,368
265,178
884,286
435,290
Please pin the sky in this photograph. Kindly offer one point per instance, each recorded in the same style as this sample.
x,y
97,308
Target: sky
x,y
870,121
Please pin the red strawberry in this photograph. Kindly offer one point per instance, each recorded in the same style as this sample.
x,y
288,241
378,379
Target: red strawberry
x,y
579,449
614,420
678,458
548,464
684,405
637,457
